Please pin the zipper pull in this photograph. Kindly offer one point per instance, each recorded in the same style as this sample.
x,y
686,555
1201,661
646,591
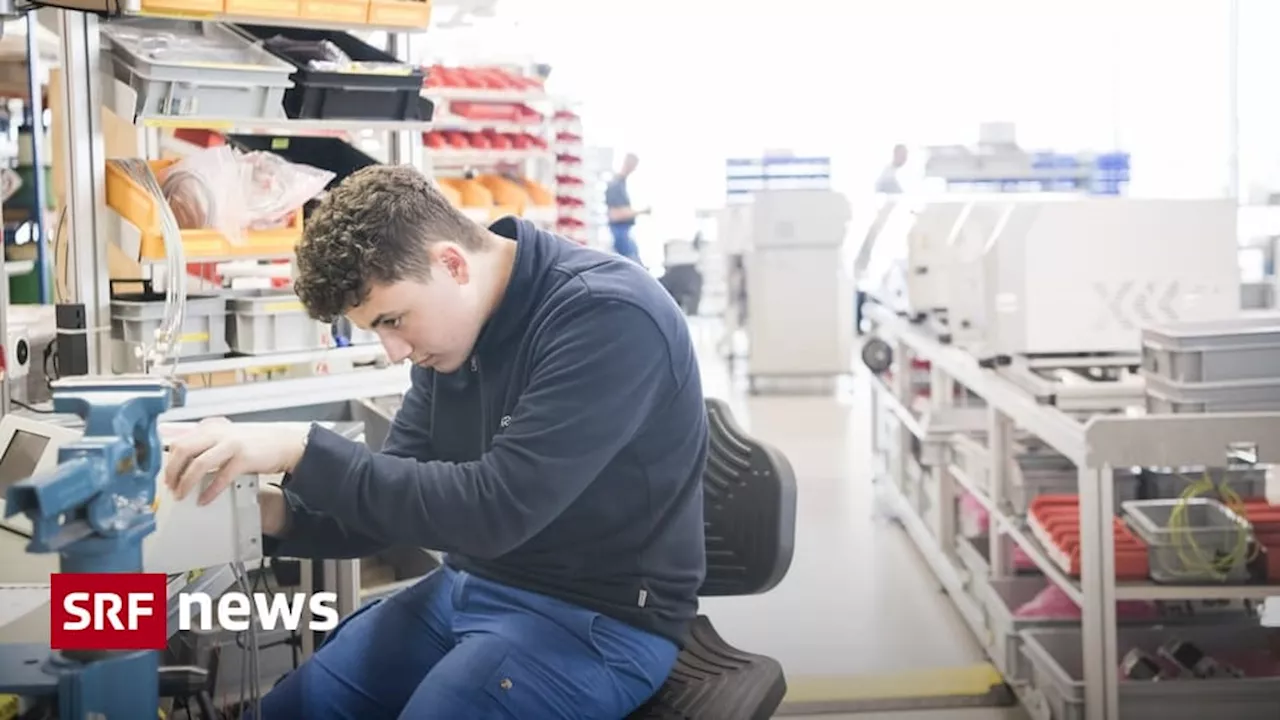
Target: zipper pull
x,y
475,364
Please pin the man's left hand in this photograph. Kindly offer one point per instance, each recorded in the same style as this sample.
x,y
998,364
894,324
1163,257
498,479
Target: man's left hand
x,y
228,450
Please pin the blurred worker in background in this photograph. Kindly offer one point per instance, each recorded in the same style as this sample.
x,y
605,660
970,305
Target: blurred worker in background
x,y
888,180
622,218
552,443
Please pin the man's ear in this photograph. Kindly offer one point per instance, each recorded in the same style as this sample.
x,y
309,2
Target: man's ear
x,y
454,261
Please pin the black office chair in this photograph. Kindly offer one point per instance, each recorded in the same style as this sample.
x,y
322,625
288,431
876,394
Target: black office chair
x,y
750,497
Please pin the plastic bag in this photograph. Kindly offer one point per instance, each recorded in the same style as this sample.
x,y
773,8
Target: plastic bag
x,y
274,188
325,56
204,190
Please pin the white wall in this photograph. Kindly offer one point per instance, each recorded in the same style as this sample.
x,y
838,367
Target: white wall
x,y
686,83
1259,63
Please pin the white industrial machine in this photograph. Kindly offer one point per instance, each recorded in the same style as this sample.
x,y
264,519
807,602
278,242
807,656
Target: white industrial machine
x,y
881,265
17,351
187,536
31,330
799,286
930,235
1042,275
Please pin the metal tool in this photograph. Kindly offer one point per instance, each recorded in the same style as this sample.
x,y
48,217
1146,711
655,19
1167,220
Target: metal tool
x,y
94,509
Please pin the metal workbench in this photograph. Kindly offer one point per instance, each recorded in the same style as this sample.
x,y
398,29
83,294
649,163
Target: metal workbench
x,y
1095,444
18,567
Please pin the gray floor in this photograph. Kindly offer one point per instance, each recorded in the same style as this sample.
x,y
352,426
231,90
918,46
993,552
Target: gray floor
x,y
857,599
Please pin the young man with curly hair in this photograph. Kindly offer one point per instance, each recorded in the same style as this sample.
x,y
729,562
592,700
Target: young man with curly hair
x,y
552,444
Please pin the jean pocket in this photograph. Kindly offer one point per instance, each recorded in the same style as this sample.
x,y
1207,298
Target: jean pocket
x,y
512,687
332,634
639,660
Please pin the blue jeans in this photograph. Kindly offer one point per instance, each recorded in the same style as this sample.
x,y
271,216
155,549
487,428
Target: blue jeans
x,y
457,646
623,244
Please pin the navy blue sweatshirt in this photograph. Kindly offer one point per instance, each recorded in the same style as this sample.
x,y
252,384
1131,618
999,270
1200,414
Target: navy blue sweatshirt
x,y
565,458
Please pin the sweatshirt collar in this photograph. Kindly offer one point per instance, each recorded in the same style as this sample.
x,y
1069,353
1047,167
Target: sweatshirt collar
x,y
517,300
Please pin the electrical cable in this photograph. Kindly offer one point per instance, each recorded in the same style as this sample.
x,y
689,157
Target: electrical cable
x,y
295,638
166,349
51,356
255,691
205,703
29,408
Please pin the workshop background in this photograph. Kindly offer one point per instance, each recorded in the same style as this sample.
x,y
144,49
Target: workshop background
x,y
938,380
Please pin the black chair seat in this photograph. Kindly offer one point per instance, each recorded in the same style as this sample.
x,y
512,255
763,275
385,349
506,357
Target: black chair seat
x,y
713,680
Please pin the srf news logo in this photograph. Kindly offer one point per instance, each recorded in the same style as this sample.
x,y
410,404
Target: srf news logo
x,y
130,611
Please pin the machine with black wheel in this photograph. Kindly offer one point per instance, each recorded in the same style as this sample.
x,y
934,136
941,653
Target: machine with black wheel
x,y
750,509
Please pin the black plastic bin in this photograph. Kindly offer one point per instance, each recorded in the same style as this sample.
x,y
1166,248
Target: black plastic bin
x,y
324,95
325,153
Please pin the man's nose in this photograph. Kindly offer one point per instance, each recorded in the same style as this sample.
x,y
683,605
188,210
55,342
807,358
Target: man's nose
x,y
397,349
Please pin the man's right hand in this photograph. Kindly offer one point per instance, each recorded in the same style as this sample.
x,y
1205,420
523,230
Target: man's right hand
x,y
227,449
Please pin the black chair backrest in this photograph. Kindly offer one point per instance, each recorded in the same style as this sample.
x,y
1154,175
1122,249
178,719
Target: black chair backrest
x,y
749,496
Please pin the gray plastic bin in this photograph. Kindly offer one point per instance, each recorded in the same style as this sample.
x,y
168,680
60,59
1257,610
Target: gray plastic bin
x,y
1214,528
1002,599
1056,660
189,68
1169,398
269,321
1246,348
134,323
1056,475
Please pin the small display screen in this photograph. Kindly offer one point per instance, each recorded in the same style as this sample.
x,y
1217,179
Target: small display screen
x,y
21,457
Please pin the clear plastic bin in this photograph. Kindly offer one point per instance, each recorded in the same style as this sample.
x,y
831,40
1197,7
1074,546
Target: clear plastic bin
x,y
268,321
1056,659
1214,528
188,68
1246,348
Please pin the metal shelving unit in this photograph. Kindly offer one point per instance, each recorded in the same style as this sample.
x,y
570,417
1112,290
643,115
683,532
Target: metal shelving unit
x,y
531,163
1096,445
90,224
86,89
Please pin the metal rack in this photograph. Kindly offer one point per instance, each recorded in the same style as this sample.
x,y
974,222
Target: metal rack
x,y
1095,444
85,92
89,225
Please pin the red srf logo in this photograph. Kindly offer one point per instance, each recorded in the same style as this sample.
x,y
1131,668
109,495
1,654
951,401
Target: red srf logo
x,y
108,611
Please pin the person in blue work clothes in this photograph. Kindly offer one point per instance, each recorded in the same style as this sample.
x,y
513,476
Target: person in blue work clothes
x,y
552,443
622,217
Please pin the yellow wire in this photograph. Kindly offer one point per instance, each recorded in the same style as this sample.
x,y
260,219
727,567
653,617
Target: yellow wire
x,y
1194,560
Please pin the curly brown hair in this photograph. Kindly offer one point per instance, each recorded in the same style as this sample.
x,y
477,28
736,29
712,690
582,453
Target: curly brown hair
x,y
374,228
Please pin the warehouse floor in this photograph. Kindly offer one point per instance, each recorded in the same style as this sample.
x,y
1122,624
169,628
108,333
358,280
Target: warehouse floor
x,y
858,599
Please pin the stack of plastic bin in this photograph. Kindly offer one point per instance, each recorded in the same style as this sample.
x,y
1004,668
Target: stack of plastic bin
x,y
1228,365
270,321
189,68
